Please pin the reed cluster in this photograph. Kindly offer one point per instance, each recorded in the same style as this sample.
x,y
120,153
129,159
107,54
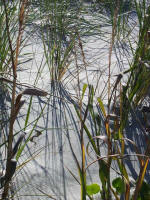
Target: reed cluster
x,y
100,121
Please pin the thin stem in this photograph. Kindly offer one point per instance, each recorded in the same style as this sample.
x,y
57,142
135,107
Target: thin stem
x,y
14,67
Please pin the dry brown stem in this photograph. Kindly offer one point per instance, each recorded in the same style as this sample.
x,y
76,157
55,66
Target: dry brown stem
x,y
114,30
14,68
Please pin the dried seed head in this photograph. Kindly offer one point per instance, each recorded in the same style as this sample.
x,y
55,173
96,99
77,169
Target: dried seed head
x,y
35,92
19,105
120,75
17,108
12,168
18,99
13,165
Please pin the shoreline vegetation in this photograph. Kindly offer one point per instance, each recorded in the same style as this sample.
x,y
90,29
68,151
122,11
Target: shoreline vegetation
x,y
73,115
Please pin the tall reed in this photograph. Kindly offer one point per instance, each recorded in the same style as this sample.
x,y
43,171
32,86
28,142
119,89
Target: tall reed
x,y
14,62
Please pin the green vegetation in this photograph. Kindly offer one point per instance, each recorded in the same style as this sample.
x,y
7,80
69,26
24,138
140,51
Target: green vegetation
x,y
74,118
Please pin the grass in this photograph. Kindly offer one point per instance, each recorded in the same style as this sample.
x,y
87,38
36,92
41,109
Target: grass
x,y
74,117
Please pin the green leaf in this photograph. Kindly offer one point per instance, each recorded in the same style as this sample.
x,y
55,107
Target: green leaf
x,y
103,173
92,189
145,191
28,113
101,105
83,90
118,184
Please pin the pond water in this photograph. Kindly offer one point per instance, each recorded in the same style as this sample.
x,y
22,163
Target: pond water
x,y
48,160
